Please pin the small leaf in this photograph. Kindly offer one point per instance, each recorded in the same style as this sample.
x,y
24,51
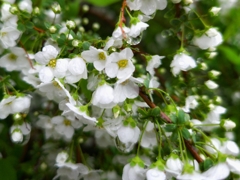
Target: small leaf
x,y
174,136
206,164
176,22
170,14
186,133
147,81
170,127
181,117
230,54
21,26
154,112
86,45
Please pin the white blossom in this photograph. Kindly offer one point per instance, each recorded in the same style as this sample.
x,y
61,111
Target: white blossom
x,y
155,174
154,62
9,36
25,5
120,65
98,57
147,7
182,62
211,84
103,96
137,29
210,39
219,171
133,173
15,60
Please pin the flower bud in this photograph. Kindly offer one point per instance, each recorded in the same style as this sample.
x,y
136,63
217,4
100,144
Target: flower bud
x,y
13,10
52,29
188,2
214,74
95,26
17,136
75,43
56,8
70,24
215,10
85,21
36,10
211,84
228,124
85,8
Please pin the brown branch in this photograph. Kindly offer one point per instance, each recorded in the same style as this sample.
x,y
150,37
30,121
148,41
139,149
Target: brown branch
x,y
188,144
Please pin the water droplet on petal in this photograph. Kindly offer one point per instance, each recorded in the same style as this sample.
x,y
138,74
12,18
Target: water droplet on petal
x,y
134,41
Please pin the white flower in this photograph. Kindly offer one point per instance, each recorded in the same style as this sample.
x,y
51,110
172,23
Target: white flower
x,y
48,53
98,57
103,96
155,174
230,148
149,137
15,60
147,7
215,10
8,36
228,124
211,84
233,165
5,106
61,157
52,90
120,65
154,62
21,104
81,113
25,5
182,62
65,126
174,166
123,90
137,29
17,136
76,70
193,176
210,39
133,173
190,103
219,171
120,33
128,135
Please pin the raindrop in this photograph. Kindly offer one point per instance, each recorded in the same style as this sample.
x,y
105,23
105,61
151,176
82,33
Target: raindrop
x,y
134,41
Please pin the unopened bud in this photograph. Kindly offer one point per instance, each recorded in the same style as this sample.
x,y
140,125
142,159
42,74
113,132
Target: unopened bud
x,y
85,21
56,8
85,8
75,42
215,10
96,26
36,10
52,29
70,24
228,124
17,136
13,10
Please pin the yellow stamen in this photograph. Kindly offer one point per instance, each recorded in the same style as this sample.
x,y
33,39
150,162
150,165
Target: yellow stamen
x,y
101,56
67,122
52,63
122,63
12,57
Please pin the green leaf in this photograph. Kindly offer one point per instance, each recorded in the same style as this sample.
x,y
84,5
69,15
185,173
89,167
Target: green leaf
x,y
181,117
170,127
7,172
21,26
154,112
186,133
102,3
173,117
230,54
86,45
147,81
174,136
206,164
29,25
170,14
176,22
